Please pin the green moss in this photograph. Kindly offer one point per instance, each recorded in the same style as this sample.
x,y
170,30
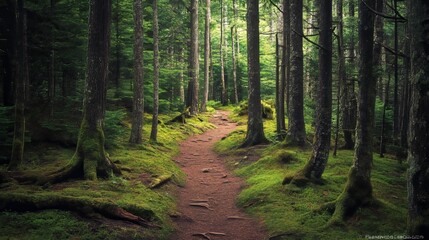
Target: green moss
x,y
295,213
128,191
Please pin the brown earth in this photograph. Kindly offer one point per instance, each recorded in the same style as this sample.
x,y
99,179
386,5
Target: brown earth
x,y
207,201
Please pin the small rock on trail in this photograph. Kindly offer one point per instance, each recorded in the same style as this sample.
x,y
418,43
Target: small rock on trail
x,y
208,198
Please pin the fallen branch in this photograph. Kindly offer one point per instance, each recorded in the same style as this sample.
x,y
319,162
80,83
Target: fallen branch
x,y
159,181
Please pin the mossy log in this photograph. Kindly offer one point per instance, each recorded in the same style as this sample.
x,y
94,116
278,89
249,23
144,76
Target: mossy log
x,y
85,206
181,118
156,182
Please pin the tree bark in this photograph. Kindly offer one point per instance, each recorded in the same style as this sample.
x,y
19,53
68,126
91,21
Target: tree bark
x,y
280,114
285,72
117,51
296,132
418,135
234,45
194,61
342,78
21,73
358,190
255,130
206,57
348,98
322,139
224,96
154,130
378,41
137,114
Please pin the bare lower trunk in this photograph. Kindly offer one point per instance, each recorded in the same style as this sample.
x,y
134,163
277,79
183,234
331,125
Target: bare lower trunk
x,y
418,135
206,57
154,130
21,68
296,132
137,115
255,130
194,61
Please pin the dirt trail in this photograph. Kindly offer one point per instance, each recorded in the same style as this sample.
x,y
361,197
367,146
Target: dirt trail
x,y
207,202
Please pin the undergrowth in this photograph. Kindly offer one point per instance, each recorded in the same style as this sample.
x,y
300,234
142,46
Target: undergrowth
x,y
290,212
139,164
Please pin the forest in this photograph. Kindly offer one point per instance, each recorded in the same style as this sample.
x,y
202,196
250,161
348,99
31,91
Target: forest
x,y
227,119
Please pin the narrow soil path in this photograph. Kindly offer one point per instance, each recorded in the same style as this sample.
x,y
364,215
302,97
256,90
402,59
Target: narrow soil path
x,y
207,201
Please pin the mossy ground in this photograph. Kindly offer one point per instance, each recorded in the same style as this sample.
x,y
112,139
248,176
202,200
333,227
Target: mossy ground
x,y
290,212
139,164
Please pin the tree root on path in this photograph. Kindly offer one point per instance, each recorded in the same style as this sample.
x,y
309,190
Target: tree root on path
x,y
201,204
206,235
88,207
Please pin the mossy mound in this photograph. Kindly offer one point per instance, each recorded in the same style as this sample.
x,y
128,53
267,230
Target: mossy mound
x,y
267,109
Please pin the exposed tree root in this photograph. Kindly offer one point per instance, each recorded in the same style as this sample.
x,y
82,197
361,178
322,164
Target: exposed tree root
x,y
206,235
87,207
72,169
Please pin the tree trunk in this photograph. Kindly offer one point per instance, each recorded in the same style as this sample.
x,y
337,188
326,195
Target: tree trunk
x,y
206,57
21,68
138,109
224,97
154,130
396,83
181,76
255,130
10,57
322,139
234,64
378,41
285,72
418,138
342,78
234,44
383,121
51,82
348,98
117,51
280,94
194,61
296,132
358,190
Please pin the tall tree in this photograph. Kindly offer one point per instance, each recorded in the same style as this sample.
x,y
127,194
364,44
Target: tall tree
x,y
117,49
206,56
154,130
21,79
285,71
358,189
255,129
224,96
322,139
137,115
90,158
296,132
418,138
234,45
348,98
194,61
342,78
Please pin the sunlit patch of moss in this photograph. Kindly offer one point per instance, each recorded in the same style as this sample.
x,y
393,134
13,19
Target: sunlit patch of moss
x,y
290,212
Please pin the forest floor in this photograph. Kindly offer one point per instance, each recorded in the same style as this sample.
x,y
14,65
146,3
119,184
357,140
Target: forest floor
x,y
207,202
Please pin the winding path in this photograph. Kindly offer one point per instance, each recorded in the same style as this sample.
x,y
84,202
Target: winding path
x,y
207,201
